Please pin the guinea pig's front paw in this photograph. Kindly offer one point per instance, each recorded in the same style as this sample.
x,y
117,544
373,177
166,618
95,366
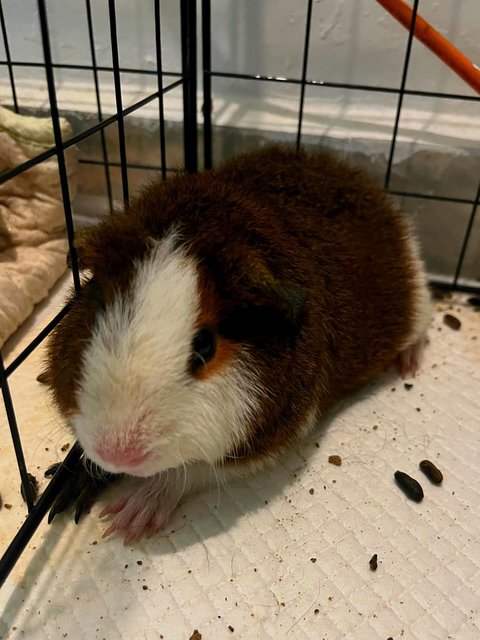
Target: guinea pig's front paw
x,y
141,512
82,486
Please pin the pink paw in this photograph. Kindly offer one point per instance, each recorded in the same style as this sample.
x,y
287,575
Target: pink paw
x,y
145,507
136,516
409,360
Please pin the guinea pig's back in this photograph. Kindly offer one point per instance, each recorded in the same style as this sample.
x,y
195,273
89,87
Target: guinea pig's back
x,y
315,195
372,295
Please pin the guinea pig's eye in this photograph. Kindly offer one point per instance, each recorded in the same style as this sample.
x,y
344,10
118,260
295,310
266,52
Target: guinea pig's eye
x,y
203,347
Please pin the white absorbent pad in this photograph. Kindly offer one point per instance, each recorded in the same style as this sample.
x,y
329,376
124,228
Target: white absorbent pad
x,y
286,553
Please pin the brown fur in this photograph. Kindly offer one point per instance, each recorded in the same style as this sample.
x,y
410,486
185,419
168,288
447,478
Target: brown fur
x,y
304,267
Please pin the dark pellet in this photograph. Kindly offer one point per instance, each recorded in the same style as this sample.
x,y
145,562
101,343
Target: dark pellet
x,y
33,482
431,471
452,322
336,460
474,302
410,487
373,562
230,628
196,635
408,385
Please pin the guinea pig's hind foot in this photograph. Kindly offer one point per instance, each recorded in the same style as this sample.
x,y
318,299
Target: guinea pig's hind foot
x,y
409,360
143,511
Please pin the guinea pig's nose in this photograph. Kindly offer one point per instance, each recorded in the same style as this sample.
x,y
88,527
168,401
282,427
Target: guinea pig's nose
x,y
122,456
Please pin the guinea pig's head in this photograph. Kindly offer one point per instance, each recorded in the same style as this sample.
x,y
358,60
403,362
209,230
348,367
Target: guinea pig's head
x,y
159,361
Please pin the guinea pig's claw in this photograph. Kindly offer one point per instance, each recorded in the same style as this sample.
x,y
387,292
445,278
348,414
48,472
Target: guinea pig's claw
x,y
111,529
138,515
132,536
114,508
62,502
80,491
52,470
54,511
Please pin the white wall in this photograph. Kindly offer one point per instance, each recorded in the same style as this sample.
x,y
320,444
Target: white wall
x,y
69,34
353,41
70,45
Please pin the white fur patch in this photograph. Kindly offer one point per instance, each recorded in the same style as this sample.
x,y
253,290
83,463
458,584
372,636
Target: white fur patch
x,y
136,389
423,305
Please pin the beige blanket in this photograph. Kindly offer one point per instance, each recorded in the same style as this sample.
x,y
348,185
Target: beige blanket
x,y
32,224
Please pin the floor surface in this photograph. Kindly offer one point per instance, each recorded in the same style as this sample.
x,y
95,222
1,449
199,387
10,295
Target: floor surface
x,y
285,554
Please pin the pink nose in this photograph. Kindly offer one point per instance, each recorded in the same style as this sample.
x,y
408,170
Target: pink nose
x,y
121,456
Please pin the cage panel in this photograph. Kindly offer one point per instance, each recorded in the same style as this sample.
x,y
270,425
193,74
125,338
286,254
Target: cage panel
x,y
28,48
247,114
438,145
468,270
79,89
30,88
356,43
441,228
357,123
454,21
258,37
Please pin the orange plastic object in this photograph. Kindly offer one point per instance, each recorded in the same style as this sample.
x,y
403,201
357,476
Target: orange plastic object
x,y
439,45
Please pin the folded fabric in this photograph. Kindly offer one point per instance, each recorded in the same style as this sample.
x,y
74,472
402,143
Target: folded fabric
x,y
32,223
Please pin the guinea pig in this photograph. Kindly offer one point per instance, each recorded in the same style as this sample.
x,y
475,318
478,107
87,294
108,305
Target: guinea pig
x,y
223,313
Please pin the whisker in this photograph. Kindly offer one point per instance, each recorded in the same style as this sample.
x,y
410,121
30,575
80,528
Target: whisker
x,y
200,357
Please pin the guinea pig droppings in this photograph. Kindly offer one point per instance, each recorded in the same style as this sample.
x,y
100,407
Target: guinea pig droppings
x,y
223,313
410,487
432,472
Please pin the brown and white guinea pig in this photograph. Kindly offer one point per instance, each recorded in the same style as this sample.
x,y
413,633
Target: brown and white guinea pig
x,y
223,313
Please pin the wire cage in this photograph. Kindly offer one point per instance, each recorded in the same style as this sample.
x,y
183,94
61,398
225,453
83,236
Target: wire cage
x,y
185,78
166,81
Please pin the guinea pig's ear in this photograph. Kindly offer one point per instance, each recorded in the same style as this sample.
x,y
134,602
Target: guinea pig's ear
x,y
270,313
269,291
106,248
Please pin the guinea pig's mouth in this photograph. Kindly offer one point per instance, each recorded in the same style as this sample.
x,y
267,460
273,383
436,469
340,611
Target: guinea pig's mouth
x,y
141,464
141,469
118,451
122,459
125,452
